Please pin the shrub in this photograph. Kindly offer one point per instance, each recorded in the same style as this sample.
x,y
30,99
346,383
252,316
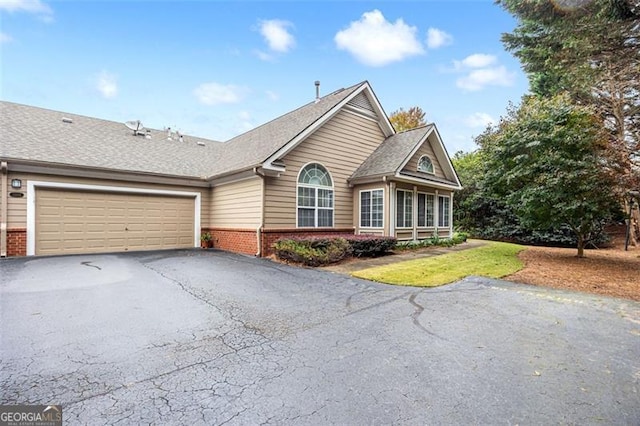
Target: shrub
x,y
312,251
316,251
370,245
458,238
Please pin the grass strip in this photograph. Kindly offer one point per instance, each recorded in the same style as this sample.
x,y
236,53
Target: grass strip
x,y
494,260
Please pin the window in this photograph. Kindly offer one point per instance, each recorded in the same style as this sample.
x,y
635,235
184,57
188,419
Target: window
x,y
425,164
315,197
425,209
404,209
371,208
443,211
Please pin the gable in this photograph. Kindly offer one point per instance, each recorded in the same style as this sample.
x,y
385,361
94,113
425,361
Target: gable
x,y
425,149
361,101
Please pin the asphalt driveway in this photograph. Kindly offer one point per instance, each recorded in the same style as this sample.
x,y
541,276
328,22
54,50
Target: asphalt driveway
x,y
206,337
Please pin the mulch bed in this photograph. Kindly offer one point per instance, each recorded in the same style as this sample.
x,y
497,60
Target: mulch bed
x,y
610,272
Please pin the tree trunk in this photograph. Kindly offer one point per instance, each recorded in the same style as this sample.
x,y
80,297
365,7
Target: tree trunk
x,y
580,245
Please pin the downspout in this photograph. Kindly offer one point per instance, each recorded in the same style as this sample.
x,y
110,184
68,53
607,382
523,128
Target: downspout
x,y
392,209
436,215
261,225
414,213
4,168
451,215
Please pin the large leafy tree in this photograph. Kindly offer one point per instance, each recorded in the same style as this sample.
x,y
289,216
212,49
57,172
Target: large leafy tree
x,y
406,120
591,50
545,161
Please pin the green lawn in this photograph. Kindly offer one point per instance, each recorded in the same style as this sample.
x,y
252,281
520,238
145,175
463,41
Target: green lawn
x,y
494,260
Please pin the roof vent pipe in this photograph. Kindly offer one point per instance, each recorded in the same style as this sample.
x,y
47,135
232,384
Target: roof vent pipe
x,y
317,83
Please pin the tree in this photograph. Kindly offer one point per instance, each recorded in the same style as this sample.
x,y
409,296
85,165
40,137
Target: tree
x,y
406,120
545,162
592,51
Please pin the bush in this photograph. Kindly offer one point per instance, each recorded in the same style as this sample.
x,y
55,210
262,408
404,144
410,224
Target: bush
x,y
312,251
316,251
435,241
370,245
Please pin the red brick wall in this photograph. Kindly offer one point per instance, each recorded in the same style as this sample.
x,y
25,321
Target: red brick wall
x,y
269,236
237,240
16,242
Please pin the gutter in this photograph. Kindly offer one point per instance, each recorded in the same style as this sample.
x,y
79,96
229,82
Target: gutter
x,y
4,200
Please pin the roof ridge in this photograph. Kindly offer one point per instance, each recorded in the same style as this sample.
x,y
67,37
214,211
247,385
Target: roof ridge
x,y
335,92
102,120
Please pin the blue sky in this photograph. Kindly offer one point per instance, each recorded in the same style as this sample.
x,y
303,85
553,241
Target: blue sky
x,y
217,68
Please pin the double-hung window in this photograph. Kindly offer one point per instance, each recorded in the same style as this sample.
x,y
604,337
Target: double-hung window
x,y
371,208
404,209
315,197
444,207
426,208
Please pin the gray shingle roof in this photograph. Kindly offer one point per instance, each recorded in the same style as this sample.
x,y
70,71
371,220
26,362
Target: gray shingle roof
x,y
37,134
257,145
392,153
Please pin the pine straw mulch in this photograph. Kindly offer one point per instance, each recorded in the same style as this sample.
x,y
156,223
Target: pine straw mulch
x,y
610,271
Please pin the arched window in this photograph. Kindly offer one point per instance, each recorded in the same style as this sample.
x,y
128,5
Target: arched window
x,y
425,164
315,197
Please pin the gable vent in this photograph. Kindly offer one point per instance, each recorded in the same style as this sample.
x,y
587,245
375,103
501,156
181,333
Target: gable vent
x,y
361,101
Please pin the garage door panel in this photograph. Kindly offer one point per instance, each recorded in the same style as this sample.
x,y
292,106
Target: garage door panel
x,y
89,222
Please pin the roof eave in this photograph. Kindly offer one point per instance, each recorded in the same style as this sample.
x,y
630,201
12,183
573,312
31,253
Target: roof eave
x,y
42,167
410,179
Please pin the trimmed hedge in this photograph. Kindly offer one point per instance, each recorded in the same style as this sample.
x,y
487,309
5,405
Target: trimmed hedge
x,y
370,245
458,238
316,251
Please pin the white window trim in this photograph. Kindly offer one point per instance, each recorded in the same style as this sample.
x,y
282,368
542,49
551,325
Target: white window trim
x,y
316,208
360,208
32,185
434,209
412,207
433,172
448,214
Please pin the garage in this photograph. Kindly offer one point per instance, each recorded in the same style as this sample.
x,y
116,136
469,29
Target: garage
x,y
73,220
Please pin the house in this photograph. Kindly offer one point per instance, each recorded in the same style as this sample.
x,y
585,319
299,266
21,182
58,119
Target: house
x,y
74,184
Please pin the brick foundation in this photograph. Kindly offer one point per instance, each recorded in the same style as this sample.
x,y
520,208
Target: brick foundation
x,y
269,236
16,242
236,240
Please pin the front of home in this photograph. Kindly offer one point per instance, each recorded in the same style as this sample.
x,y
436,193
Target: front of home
x,y
73,184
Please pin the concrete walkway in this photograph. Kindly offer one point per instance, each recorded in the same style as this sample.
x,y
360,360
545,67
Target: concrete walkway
x,y
355,264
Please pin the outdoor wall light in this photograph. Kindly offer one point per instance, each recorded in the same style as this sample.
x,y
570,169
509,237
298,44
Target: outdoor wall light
x,y
16,183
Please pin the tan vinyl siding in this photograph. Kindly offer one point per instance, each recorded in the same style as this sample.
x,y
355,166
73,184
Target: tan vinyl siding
x,y
237,205
341,145
17,207
425,149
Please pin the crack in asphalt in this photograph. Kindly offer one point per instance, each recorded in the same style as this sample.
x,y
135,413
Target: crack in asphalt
x,y
89,264
415,316
375,305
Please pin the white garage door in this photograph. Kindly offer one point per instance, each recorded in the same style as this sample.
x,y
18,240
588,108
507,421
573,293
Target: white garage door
x,y
69,221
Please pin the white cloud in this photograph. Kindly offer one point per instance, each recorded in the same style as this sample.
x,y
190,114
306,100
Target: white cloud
x,y
107,85
272,95
5,38
374,41
277,36
479,119
477,60
264,56
437,38
478,79
215,93
37,7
